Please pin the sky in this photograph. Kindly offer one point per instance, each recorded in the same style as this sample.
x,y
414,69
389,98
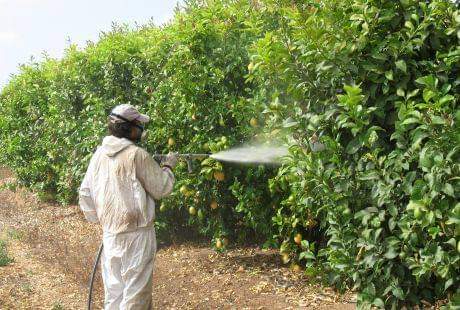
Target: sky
x,y
30,27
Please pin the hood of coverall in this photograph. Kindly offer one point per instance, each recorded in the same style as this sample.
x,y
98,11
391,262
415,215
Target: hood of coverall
x,y
113,145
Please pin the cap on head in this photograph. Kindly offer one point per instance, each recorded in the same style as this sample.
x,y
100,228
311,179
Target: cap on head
x,y
126,112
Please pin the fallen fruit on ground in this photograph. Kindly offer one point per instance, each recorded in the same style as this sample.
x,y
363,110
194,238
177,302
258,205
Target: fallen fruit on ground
x,y
285,258
296,268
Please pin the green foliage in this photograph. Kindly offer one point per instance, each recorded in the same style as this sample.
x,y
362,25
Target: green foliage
x,y
364,92
385,187
4,258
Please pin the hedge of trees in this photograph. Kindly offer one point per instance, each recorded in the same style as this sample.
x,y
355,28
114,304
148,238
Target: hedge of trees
x,y
376,82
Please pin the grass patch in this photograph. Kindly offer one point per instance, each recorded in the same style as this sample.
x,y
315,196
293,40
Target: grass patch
x,y
4,258
15,234
57,306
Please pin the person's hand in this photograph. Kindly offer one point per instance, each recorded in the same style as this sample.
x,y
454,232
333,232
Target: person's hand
x,y
171,160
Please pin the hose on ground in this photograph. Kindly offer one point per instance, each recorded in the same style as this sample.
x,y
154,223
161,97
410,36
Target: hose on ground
x,y
91,281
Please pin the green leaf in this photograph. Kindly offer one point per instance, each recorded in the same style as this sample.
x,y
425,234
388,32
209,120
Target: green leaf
x,y
354,145
401,65
415,205
425,159
449,190
400,92
448,283
408,24
418,137
446,99
413,93
289,123
434,231
389,75
398,292
378,303
452,242
427,95
429,81
453,220
410,120
307,255
391,224
391,253
438,120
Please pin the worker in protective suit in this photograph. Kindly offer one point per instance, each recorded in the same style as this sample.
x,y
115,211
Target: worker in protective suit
x,y
118,191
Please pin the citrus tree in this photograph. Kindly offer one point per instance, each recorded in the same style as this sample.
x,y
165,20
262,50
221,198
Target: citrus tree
x,y
368,93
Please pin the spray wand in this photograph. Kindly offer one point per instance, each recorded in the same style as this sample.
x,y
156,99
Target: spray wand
x,y
187,157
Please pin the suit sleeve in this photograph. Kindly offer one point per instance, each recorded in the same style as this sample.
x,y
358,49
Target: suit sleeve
x,y
158,182
85,198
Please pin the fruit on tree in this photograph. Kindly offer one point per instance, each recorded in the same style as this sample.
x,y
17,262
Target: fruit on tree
x,y
200,214
219,176
192,211
418,213
162,207
183,189
298,239
214,205
219,244
253,122
171,141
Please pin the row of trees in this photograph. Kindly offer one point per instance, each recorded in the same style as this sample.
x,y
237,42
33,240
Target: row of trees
x,y
374,81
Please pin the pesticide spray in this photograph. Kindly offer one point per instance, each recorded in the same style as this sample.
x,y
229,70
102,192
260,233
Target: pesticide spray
x,y
250,154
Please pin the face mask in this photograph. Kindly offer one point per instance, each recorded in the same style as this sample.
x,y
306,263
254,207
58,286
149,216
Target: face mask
x,y
140,135
144,135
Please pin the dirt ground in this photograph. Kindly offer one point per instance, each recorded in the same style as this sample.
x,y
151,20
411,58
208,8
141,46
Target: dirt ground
x,y
53,250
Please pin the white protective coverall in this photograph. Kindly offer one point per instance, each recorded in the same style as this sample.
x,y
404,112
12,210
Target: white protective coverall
x,y
118,191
